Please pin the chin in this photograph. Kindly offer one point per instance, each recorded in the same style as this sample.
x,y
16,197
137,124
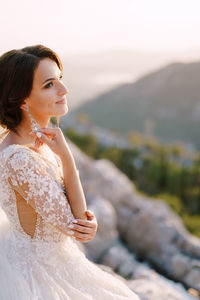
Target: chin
x,y
62,112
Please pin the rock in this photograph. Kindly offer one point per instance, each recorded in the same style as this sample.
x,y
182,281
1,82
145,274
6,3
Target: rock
x,y
149,227
157,290
151,286
120,260
147,283
107,229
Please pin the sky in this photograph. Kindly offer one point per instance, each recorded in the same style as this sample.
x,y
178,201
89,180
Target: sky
x,y
104,43
87,26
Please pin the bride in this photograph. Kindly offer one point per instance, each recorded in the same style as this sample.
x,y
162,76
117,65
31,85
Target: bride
x,y
40,190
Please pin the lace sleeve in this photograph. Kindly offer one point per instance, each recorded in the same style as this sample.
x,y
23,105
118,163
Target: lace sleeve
x,y
30,178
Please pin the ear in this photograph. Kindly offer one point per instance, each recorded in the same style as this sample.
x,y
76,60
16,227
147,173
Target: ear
x,y
24,106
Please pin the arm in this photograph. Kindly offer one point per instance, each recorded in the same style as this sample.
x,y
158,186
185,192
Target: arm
x,y
55,139
73,186
85,229
39,188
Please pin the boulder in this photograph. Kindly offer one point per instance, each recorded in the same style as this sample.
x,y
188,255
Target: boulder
x,y
148,227
107,229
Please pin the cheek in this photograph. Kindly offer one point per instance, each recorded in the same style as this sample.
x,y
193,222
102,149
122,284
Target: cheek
x,y
45,99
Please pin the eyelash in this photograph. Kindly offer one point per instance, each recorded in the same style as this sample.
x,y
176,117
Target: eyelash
x,y
48,85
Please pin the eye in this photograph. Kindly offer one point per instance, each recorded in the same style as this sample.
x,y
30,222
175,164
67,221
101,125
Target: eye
x,y
49,85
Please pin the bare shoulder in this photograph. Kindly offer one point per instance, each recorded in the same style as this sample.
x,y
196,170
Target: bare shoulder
x,y
4,144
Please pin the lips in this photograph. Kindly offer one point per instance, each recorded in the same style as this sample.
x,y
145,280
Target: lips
x,y
63,101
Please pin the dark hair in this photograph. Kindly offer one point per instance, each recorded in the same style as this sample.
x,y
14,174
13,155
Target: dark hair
x,y
17,69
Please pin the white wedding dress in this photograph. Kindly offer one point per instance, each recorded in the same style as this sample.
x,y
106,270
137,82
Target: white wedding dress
x,y
47,264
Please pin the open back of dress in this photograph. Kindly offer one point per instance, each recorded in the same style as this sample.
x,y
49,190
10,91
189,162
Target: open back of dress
x,y
38,260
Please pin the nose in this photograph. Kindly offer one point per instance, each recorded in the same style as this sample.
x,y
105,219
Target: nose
x,y
63,90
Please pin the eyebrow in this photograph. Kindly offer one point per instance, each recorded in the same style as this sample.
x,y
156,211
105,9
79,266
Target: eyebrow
x,y
54,78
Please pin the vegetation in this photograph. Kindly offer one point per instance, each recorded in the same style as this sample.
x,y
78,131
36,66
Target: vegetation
x,y
161,171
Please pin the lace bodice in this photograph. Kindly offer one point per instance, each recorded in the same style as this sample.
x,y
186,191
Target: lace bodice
x,y
48,264
38,180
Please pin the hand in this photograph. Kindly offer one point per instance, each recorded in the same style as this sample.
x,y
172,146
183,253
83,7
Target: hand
x,y
37,143
55,139
85,230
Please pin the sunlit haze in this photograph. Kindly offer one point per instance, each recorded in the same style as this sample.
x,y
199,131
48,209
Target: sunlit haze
x,y
94,25
150,33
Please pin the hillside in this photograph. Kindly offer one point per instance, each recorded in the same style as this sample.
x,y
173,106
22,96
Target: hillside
x,y
165,103
138,237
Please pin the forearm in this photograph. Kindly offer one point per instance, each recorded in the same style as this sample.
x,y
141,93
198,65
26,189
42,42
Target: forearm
x,y
73,187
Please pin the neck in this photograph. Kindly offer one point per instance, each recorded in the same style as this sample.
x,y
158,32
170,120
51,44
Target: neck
x,y
23,131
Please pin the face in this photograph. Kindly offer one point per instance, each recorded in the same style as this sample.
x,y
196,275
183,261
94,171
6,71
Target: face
x,y
48,95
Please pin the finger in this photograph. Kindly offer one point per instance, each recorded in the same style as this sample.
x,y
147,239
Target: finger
x,y
40,143
83,236
89,215
45,139
85,223
89,212
83,229
40,134
90,218
36,144
48,130
50,135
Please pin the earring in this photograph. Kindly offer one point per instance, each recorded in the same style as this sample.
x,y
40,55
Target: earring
x,y
34,125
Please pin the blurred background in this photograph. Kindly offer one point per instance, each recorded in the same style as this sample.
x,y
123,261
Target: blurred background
x,y
132,68
133,73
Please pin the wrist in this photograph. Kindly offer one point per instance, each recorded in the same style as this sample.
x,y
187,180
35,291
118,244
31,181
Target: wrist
x,y
68,163
66,156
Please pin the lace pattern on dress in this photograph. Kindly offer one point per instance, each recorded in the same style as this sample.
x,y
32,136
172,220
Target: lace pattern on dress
x,y
42,186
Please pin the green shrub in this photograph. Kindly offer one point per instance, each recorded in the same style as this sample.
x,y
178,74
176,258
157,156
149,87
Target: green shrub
x,y
192,223
86,143
156,170
173,201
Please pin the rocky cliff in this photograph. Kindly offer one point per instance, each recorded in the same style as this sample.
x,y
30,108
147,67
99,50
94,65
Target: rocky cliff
x,y
139,238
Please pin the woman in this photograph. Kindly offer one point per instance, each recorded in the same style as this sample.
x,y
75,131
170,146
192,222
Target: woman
x,y
40,190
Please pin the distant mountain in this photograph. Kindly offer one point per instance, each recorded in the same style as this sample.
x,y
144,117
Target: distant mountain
x,y
164,103
87,75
